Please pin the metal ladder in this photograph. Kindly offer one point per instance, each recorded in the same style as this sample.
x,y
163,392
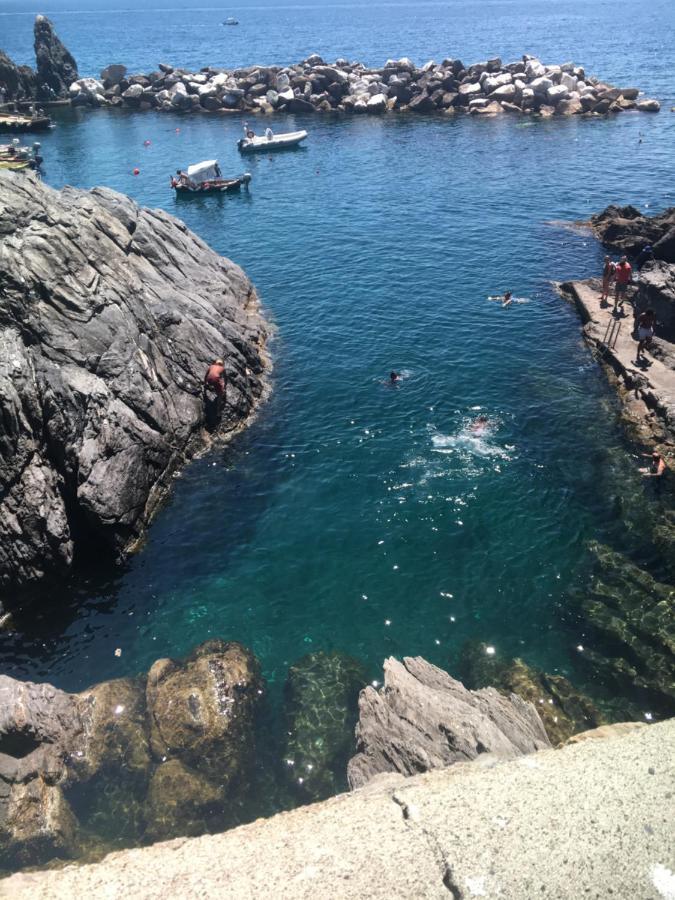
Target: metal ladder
x,y
611,333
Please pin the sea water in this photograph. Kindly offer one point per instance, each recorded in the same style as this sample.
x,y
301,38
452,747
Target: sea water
x,y
355,514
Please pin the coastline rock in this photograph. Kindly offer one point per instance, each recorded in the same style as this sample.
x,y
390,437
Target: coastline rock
x,y
104,343
98,766
564,711
19,81
631,614
423,719
320,709
627,230
56,68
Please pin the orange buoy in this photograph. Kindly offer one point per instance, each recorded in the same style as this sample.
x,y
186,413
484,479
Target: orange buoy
x,y
137,171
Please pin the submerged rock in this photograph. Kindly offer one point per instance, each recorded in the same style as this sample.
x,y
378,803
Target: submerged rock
x,y
109,316
111,767
423,719
321,709
632,615
564,710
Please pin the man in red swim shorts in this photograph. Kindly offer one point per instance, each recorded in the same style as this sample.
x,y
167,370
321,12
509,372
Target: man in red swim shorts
x,y
215,377
623,275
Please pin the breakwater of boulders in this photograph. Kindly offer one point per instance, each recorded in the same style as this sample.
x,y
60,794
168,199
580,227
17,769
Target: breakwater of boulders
x,y
526,87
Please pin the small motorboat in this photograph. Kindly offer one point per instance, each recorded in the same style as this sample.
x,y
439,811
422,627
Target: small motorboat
x,y
19,123
253,143
206,178
231,21
14,156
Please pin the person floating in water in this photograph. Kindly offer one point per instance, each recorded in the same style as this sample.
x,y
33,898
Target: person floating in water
x,y
394,377
657,468
481,425
215,378
505,299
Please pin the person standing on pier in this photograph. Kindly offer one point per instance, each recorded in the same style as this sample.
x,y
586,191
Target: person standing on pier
x,y
607,277
623,275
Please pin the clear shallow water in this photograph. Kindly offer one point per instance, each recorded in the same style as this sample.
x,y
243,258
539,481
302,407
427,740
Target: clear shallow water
x,y
352,514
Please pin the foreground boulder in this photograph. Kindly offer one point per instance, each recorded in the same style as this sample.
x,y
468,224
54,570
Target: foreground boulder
x,y
625,229
423,719
19,81
109,316
127,760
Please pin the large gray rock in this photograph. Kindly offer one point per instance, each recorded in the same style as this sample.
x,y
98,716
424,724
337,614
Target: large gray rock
x,y
423,719
56,68
127,759
19,81
109,316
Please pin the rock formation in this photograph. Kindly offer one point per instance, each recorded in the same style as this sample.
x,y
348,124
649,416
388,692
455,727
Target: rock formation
x,y
19,81
56,68
563,709
126,760
321,709
423,719
109,316
625,229
630,616
487,88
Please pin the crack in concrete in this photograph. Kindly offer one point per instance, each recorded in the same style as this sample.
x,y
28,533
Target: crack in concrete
x,y
413,822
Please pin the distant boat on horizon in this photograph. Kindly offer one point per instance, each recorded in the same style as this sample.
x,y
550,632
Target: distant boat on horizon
x,y
231,21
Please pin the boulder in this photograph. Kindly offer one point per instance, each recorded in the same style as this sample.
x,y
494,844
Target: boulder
x,y
422,103
571,107
505,92
534,69
201,709
490,108
299,105
541,85
563,709
657,290
470,88
664,248
377,103
625,229
134,92
56,68
649,105
105,343
630,93
423,719
181,801
556,93
320,709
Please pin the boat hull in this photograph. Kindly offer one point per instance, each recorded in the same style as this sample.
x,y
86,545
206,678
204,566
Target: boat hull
x,y
20,125
278,142
224,187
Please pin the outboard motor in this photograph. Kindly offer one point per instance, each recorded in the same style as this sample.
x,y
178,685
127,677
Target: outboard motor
x,y
246,177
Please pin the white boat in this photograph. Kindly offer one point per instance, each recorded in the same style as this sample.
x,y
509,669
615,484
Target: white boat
x,y
231,21
206,178
253,142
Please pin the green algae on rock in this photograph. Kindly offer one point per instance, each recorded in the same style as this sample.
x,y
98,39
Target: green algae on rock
x,y
633,615
321,709
563,709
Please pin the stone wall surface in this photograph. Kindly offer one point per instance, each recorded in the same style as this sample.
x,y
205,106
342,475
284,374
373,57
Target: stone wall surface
x,y
593,819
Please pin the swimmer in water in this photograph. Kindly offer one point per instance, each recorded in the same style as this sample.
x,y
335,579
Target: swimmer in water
x,y
481,424
505,299
394,377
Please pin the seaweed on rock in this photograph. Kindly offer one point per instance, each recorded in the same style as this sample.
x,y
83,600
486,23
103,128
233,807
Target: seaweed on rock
x,y
321,709
564,710
632,613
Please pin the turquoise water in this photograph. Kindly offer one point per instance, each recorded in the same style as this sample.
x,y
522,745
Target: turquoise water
x,y
352,514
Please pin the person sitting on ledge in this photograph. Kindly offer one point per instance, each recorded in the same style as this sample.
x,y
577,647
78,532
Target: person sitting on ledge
x,y
645,255
215,378
608,271
645,329
624,276
249,133
657,468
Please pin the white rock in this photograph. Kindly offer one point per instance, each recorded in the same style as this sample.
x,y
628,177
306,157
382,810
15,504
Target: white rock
x,y
473,87
534,69
568,81
286,95
556,93
541,85
134,91
377,103
219,80
504,92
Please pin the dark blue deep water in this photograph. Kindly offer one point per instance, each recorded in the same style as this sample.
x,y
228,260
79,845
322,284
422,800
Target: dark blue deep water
x,y
353,515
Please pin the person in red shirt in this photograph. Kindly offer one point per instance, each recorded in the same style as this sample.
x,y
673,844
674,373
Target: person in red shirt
x,y
623,275
215,377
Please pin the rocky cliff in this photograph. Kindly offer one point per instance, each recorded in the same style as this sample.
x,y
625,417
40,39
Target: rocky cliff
x,y
109,316
56,68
